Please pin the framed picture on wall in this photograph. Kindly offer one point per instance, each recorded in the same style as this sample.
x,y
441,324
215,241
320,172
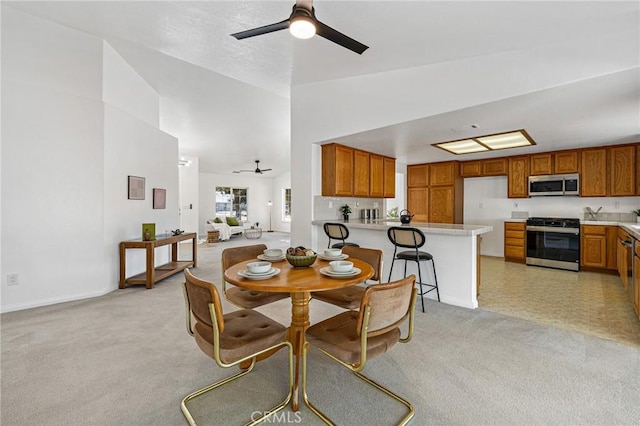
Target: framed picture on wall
x,y
159,198
136,188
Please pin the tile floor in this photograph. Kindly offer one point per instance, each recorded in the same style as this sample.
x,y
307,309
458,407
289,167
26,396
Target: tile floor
x,y
587,302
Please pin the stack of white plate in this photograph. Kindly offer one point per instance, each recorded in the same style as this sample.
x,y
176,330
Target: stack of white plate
x,y
333,274
261,276
271,258
330,258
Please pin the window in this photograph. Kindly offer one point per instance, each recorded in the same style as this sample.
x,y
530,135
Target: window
x,y
286,204
232,202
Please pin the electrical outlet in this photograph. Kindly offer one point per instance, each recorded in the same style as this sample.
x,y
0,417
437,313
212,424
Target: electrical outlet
x,y
616,205
481,205
515,205
12,279
330,204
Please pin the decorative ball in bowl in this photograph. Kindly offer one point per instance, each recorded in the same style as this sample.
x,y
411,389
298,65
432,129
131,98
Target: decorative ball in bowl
x,y
301,261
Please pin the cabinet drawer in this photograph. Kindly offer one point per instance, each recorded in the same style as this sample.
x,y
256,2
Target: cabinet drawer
x,y
594,229
514,252
514,234
515,226
638,249
514,242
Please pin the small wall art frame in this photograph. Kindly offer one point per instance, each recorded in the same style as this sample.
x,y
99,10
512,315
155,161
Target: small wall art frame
x,y
159,198
136,188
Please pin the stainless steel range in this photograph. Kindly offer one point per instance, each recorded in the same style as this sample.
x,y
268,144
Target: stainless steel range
x,y
553,242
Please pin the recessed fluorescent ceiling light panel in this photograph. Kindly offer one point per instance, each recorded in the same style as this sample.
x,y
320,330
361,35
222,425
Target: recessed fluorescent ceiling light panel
x,y
514,139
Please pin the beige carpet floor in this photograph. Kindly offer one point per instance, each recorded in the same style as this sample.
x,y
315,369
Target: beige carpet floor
x,y
126,359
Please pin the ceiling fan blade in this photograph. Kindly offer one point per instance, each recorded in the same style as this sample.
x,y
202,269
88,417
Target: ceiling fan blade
x,y
262,30
337,37
265,170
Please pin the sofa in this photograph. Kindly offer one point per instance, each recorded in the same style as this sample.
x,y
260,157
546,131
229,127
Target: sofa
x,y
225,230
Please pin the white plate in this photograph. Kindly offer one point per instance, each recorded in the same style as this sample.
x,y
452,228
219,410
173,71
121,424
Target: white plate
x,y
271,259
329,273
246,274
341,257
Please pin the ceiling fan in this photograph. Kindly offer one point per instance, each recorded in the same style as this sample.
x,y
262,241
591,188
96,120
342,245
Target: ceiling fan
x,y
257,171
303,24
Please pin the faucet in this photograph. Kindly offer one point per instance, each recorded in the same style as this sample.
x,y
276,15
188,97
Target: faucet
x,y
592,214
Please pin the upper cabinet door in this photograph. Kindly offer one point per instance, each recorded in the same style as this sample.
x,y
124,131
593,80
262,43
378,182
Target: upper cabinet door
x,y
443,173
593,178
518,182
541,164
622,168
566,161
418,175
471,168
360,173
376,176
494,167
389,170
337,170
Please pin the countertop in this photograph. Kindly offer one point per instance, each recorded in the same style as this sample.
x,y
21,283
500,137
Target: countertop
x,y
427,228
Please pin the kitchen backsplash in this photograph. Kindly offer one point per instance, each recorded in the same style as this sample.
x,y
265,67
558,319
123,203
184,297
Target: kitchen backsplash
x,y
611,217
328,208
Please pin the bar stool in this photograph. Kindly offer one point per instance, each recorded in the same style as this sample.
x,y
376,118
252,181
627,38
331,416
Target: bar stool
x,y
412,238
337,231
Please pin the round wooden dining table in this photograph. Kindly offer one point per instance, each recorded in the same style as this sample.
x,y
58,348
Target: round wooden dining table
x,y
300,283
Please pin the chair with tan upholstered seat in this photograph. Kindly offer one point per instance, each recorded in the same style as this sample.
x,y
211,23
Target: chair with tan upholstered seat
x,y
243,298
230,339
353,337
349,297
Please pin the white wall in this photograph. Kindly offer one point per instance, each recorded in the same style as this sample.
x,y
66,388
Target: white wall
x,y
189,195
261,190
486,203
66,155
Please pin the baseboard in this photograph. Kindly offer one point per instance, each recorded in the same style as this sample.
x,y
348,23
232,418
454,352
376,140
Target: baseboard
x,y
52,301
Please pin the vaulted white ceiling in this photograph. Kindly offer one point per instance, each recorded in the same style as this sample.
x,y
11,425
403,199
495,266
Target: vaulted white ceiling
x,y
228,101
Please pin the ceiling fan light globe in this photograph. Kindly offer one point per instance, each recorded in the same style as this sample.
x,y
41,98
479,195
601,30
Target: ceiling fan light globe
x,y
302,27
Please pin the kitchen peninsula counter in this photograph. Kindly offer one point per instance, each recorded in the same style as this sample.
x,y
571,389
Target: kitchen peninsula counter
x,y
455,249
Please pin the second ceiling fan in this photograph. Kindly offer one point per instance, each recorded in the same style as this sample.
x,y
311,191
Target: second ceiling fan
x,y
303,24
257,171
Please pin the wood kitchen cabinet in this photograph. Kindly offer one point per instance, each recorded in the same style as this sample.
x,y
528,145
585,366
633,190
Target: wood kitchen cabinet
x,y
566,161
443,205
599,247
337,170
489,167
593,246
471,168
495,167
389,177
622,171
593,176
622,237
376,176
418,203
418,175
518,181
361,175
444,173
541,164
515,239
638,170
350,172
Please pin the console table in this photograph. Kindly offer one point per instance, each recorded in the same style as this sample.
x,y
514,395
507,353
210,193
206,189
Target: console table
x,y
153,273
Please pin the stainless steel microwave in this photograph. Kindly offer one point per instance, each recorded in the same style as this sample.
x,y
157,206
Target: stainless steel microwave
x,y
567,184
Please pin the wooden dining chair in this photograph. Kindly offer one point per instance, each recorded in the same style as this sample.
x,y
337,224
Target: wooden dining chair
x,y
349,297
243,298
230,339
353,337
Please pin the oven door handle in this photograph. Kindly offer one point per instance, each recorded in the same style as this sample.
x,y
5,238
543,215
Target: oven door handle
x,y
575,231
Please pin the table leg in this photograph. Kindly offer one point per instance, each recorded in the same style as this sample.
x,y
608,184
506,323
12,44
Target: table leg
x,y
123,266
151,267
299,324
